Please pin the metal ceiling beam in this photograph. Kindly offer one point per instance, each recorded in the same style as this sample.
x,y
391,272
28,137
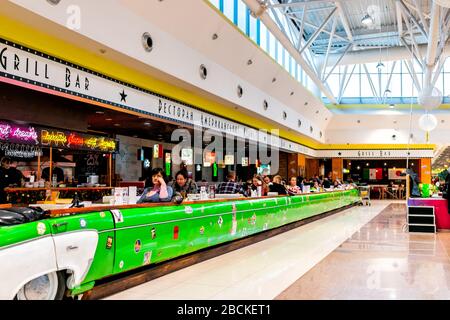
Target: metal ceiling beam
x,y
412,72
335,65
408,13
341,93
318,31
411,51
330,41
389,54
302,28
372,87
430,60
421,16
344,20
398,11
260,12
388,83
289,15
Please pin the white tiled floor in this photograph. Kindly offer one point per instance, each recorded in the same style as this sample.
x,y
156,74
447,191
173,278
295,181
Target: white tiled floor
x,y
262,270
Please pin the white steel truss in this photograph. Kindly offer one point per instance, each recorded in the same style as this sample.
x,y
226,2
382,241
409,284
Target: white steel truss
x,y
320,51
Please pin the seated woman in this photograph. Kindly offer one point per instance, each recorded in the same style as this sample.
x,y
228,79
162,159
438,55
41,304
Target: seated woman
x,y
293,188
159,191
183,184
257,182
337,183
316,187
276,186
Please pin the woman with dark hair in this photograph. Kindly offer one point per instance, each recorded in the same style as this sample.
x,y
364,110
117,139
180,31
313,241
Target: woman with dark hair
x,y
183,184
159,191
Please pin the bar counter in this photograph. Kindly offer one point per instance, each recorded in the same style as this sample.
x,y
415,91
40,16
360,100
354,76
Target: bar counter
x,y
25,196
102,241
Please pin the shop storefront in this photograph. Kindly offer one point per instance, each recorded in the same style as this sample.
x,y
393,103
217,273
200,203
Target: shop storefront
x,y
56,160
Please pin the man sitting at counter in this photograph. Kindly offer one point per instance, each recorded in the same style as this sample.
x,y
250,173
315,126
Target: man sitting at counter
x,y
231,186
159,191
9,177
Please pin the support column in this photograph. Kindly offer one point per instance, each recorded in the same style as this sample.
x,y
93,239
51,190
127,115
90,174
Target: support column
x,y
301,165
337,167
296,165
312,168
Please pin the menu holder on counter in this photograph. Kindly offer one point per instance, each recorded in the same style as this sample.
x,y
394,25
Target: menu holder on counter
x,y
132,195
119,195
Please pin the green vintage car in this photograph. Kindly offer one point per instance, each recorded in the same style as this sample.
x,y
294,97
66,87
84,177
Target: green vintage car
x,y
45,255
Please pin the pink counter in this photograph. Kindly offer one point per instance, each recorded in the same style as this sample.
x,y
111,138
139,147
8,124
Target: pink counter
x,y
440,210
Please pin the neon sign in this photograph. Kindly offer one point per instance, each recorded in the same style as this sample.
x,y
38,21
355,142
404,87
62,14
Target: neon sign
x,y
91,142
11,133
17,134
53,138
106,144
5,130
75,140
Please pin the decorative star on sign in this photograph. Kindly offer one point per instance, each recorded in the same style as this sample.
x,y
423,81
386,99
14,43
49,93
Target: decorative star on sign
x,y
123,96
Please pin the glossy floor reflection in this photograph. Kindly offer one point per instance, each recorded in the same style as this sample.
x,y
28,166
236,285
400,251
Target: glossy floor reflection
x,y
262,270
381,261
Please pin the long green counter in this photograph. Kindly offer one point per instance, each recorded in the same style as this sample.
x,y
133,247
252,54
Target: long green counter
x,y
107,241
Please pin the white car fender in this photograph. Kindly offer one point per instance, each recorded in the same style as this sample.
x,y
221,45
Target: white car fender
x,y
75,252
23,262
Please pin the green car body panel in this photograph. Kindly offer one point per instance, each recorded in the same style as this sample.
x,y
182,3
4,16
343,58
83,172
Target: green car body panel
x,y
147,235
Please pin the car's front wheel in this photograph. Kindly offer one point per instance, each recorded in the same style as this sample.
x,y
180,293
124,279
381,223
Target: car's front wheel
x,y
50,286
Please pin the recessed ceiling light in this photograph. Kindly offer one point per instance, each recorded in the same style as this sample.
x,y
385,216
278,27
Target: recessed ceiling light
x,y
147,123
99,112
108,119
117,124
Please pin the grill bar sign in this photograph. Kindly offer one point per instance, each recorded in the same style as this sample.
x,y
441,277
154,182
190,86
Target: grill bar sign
x,y
45,137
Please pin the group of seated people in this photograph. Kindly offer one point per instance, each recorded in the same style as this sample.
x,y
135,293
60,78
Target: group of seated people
x,y
162,191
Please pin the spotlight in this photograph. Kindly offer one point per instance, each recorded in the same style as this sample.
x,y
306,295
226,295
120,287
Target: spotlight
x,y
367,20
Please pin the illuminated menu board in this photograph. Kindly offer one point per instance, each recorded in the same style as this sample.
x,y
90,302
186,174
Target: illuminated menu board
x,y
45,137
